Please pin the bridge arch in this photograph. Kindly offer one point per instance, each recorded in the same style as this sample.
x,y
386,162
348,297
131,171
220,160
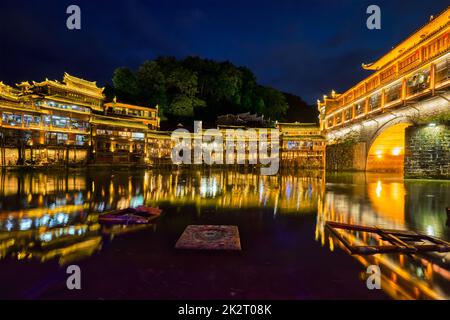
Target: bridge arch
x,y
386,147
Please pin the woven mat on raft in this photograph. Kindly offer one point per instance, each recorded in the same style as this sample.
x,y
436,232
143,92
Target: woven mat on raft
x,y
209,237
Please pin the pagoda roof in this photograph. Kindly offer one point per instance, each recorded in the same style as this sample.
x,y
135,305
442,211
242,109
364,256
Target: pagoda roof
x,y
78,81
8,92
75,85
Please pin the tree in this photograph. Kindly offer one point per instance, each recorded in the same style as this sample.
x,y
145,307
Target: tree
x,y
249,101
182,81
125,85
151,84
183,106
196,86
275,105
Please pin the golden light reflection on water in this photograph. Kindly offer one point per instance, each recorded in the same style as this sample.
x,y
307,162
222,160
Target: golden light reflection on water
x,y
390,206
53,216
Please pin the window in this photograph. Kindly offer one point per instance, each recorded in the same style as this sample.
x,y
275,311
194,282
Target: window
x,y
12,119
359,108
122,111
54,104
443,71
348,114
374,101
31,121
47,121
80,140
136,113
330,122
79,125
418,82
138,136
393,93
291,145
60,122
56,138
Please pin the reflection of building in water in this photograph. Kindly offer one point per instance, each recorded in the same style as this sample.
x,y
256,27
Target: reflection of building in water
x,y
44,234
232,189
403,276
54,216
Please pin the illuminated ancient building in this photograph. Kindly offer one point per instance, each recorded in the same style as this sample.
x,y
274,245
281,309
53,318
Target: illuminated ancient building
x,y
48,122
409,86
120,134
62,123
302,145
159,147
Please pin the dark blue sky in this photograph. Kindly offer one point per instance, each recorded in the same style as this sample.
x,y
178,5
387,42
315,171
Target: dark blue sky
x,y
303,47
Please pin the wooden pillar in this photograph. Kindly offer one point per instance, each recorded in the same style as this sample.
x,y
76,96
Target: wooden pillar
x,y
403,89
67,154
432,77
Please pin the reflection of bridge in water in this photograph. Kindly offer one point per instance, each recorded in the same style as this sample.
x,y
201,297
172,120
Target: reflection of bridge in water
x,y
397,118
393,204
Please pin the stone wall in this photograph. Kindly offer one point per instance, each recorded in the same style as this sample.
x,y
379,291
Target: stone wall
x,y
346,156
427,151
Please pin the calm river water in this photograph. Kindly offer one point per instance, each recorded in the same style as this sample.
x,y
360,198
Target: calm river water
x,y
50,220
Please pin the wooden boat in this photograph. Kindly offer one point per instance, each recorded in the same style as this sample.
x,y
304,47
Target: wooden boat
x,y
138,215
399,241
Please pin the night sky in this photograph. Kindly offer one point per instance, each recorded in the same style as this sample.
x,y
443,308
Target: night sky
x,y
302,47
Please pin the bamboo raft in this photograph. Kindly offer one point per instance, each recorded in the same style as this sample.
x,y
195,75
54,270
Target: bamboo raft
x,y
400,241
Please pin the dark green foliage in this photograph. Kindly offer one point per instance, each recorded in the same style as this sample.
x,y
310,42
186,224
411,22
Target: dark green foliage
x,y
197,88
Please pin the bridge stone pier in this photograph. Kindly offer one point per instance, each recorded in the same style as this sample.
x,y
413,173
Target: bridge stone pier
x,y
397,119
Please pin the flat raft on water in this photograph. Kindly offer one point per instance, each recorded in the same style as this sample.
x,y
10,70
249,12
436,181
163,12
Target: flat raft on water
x,y
401,241
138,215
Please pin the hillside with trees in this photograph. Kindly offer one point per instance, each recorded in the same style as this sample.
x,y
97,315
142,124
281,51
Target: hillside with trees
x,y
196,88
